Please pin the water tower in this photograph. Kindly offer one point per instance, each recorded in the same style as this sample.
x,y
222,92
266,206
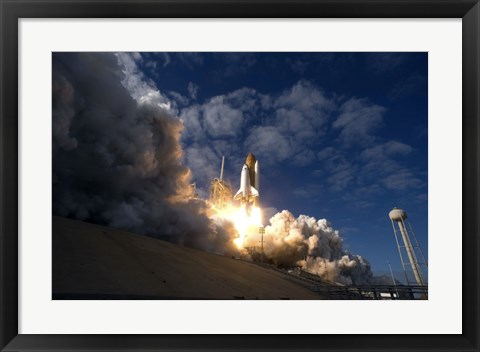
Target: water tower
x,y
398,217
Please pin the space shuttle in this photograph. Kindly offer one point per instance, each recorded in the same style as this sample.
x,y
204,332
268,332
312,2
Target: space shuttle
x,y
249,181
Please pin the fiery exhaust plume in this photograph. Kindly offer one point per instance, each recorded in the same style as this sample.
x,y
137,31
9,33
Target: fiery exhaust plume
x,y
247,221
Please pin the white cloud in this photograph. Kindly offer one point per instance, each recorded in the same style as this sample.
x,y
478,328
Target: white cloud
x,y
401,180
340,180
358,120
394,148
408,86
363,192
337,162
235,63
275,128
383,161
192,90
200,159
225,147
298,66
364,169
178,98
245,99
326,153
381,63
303,158
291,126
221,120
189,59
292,122
192,120
308,191
268,141
309,101
166,59
388,149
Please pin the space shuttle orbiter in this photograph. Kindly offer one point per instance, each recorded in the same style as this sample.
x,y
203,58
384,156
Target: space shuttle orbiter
x,y
249,181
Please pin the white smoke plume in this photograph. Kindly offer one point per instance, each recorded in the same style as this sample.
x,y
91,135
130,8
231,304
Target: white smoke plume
x,y
315,247
117,159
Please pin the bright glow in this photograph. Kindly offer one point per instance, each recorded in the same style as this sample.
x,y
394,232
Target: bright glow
x,y
247,221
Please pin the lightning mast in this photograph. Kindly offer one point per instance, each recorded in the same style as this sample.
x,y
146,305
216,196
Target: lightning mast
x,y
221,170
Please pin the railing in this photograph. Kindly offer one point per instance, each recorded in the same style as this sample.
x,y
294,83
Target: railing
x,y
332,290
377,292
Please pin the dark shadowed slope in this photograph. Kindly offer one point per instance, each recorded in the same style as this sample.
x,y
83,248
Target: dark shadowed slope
x,y
96,262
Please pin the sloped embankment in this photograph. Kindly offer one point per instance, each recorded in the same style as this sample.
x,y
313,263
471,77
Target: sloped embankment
x,y
97,262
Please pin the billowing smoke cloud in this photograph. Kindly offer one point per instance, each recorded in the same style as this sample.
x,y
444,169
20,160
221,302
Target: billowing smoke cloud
x,y
315,247
117,156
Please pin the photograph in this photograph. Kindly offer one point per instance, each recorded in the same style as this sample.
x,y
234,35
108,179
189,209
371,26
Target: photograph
x,y
240,175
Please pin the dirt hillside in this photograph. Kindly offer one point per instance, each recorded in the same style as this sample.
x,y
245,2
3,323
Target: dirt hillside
x,y
96,262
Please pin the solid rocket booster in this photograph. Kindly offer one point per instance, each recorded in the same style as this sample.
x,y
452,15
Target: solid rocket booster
x,y
249,181
256,201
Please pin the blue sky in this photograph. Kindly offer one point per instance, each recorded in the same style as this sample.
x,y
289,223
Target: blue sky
x,y
341,136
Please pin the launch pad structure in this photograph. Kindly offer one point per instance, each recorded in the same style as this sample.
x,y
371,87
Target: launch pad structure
x,y
220,191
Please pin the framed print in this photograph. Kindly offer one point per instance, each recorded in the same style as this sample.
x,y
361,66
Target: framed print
x,y
239,176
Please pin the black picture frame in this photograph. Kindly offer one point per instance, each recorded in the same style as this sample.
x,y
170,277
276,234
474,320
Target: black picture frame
x,y
12,10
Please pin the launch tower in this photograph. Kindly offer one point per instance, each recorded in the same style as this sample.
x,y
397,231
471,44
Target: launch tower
x,y
220,191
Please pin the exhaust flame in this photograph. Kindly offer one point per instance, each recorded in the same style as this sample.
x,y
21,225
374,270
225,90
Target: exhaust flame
x,y
247,221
